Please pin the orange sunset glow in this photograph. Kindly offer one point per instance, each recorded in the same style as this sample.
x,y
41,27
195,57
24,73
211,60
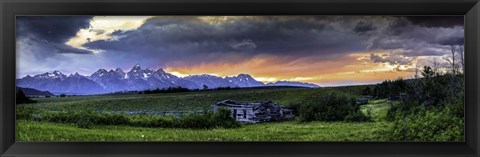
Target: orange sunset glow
x,y
351,69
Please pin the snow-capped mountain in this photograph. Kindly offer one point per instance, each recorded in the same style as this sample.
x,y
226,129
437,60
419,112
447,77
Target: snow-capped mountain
x,y
110,80
210,81
292,83
57,83
107,81
244,80
137,78
162,79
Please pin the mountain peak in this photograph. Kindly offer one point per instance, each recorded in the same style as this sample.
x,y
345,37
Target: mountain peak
x,y
101,71
56,72
244,75
119,70
75,75
136,68
161,70
292,83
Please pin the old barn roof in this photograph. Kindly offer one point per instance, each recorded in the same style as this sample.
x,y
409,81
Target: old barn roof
x,y
233,103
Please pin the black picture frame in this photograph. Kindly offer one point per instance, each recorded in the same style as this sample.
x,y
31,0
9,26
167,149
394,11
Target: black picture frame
x,y
11,8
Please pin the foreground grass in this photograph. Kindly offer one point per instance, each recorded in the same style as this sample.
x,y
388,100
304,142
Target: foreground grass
x,y
378,109
280,131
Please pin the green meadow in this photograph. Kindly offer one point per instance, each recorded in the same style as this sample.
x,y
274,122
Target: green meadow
x,y
275,131
38,130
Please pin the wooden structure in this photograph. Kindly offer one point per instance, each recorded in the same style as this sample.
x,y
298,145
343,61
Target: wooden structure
x,y
255,112
363,99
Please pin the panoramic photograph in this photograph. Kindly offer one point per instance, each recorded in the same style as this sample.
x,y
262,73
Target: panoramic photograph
x,y
240,78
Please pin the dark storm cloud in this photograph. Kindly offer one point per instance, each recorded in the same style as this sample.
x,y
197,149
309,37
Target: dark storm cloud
x,y
63,48
52,28
363,27
436,21
452,41
52,31
416,39
191,38
244,45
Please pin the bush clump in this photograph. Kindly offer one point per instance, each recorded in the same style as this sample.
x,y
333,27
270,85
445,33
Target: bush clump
x,y
84,123
25,113
152,121
427,125
219,119
334,106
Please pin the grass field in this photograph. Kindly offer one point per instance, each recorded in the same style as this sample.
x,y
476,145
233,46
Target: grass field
x,y
273,131
280,131
378,109
198,100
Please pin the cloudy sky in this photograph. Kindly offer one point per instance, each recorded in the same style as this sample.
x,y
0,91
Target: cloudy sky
x,y
325,50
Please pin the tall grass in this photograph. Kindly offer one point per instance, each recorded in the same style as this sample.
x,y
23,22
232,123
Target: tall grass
x,y
86,119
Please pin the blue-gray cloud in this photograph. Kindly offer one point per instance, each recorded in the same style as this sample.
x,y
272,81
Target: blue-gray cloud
x,y
191,39
437,21
52,31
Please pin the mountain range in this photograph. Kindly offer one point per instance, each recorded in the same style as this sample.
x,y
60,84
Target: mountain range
x,y
108,81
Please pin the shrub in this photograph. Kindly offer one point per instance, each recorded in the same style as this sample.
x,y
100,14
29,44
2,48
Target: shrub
x,y
196,121
404,108
109,119
333,106
24,113
219,119
436,124
152,121
36,117
222,119
94,118
84,123
21,98
357,116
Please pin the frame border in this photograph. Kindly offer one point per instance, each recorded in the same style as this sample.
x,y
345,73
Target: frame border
x,y
11,8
